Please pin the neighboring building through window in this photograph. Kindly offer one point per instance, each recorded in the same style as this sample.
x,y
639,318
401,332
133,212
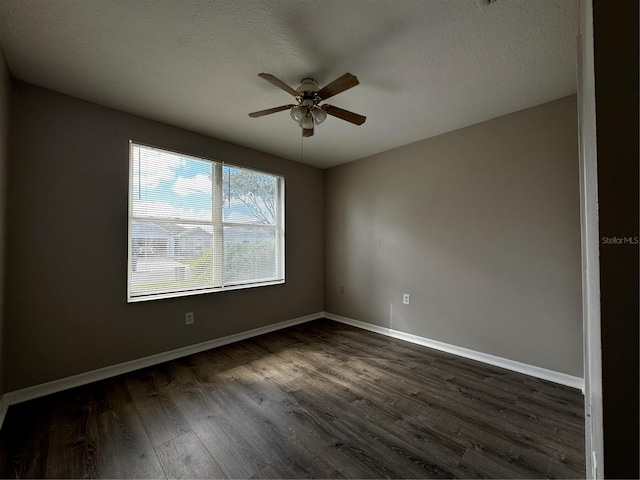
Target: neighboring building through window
x,y
198,226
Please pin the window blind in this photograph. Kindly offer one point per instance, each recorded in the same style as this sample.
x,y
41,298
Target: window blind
x,y
197,225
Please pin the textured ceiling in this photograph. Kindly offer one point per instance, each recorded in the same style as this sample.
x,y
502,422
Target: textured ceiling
x,y
425,66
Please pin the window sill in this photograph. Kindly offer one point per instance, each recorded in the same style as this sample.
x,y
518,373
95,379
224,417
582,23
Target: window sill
x,y
189,293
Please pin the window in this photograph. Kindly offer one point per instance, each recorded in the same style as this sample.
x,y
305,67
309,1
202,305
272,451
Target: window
x,y
199,226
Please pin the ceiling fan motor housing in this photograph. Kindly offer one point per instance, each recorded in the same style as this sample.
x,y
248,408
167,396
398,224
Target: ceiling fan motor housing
x,y
307,89
308,85
308,100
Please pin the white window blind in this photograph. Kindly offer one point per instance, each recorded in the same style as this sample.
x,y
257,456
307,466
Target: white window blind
x,y
198,226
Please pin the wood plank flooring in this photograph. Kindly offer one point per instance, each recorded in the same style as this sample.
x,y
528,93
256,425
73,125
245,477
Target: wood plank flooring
x,y
320,400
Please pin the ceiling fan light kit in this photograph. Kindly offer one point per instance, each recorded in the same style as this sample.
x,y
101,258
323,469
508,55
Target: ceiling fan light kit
x,y
308,112
307,123
298,113
319,115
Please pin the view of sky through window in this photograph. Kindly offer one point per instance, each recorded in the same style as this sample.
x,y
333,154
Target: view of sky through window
x,y
168,185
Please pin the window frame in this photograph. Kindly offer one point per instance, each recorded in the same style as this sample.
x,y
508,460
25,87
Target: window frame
x,y
218,225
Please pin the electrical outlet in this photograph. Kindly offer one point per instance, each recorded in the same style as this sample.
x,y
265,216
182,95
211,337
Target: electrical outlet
x,y
405,298
188,318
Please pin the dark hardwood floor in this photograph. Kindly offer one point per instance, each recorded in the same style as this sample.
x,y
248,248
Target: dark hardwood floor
x,y
320,400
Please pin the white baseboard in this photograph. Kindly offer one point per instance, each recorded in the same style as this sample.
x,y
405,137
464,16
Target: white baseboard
x,y
29,393
531,370
36,391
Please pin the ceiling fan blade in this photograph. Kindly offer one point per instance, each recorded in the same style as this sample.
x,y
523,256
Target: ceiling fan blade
x,y
344,114
279,83
269,111
307,132
339,85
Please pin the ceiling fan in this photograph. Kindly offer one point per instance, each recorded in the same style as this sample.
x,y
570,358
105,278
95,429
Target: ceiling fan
x,y
308,112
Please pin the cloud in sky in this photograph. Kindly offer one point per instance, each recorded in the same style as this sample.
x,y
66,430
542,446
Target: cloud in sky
x,y
156,167
187,186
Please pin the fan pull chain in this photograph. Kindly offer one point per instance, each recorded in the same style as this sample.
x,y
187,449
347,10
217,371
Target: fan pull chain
x,y
139,177
229,187
301,155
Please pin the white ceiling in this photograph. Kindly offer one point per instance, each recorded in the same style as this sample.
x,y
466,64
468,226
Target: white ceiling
x,y
425,66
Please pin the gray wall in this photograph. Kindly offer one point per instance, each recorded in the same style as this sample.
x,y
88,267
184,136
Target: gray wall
x,y
480,226
5,86
66,309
